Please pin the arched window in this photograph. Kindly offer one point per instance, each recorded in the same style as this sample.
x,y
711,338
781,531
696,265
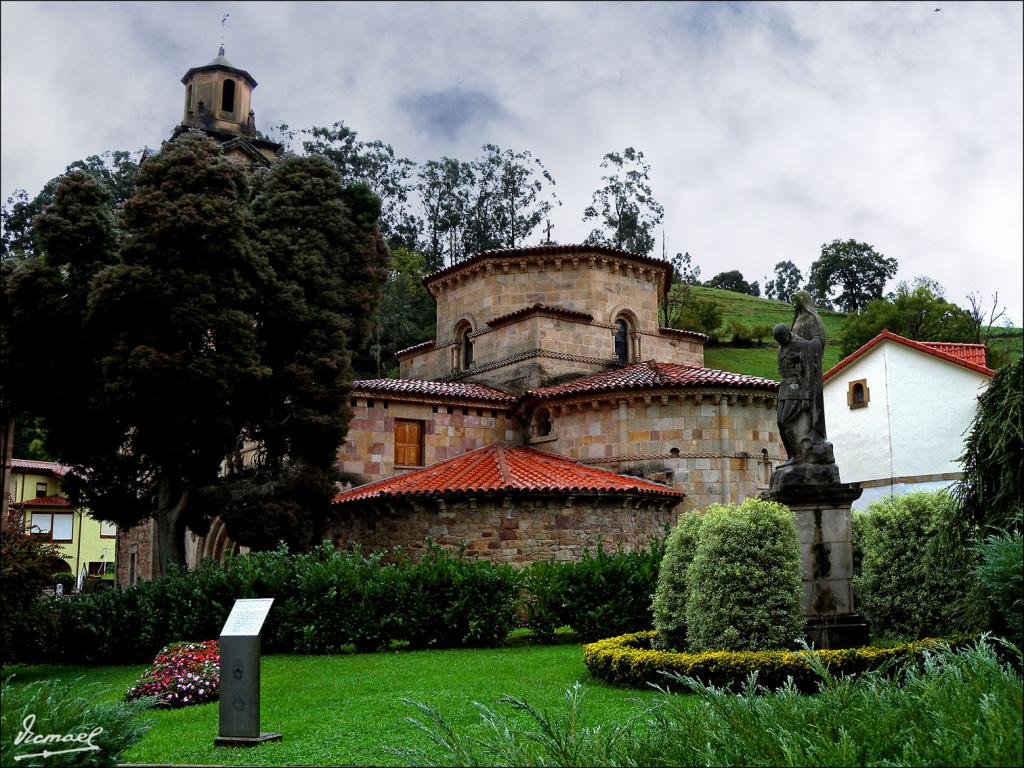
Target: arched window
x,y
188,98
622,340
858,395
467,350
227,98
542,423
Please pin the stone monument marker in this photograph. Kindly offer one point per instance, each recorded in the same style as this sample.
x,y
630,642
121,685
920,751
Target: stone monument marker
x,y
240,675
808,483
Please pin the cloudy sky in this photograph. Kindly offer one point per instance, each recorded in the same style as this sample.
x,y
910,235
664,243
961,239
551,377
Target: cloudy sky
x,y
770,128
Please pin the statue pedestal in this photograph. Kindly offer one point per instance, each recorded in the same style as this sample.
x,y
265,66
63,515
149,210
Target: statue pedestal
x,y
823,522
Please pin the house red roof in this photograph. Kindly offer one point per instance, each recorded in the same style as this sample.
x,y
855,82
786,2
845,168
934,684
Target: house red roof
x,y
48,467
654,375
971,353
436,389
966,355
501,468
45,501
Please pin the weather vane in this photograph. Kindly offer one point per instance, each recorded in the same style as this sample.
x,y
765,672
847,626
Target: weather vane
x,y
223,21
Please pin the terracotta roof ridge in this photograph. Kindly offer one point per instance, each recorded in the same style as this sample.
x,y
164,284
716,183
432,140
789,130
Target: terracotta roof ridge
x,y
503,471
921,346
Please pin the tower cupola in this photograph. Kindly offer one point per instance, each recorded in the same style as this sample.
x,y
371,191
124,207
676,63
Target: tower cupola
x,y
218,101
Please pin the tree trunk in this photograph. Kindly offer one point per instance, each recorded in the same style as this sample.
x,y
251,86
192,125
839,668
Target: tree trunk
x,y
170,533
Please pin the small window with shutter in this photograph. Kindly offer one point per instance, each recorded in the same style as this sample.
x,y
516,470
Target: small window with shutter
x,y
408,443
858,395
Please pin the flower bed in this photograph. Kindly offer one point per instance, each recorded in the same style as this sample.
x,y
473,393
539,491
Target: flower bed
x,y
182,674
630,661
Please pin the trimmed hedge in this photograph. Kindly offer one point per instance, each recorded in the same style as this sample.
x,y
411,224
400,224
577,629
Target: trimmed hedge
x,y
669,605
602,593
631,661
918,567
326,601
743,587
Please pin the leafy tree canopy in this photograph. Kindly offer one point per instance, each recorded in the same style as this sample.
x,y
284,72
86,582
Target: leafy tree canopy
x,y
849,274
787,280
917,310
733,281
624,207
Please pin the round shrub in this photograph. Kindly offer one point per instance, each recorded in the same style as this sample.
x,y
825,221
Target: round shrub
x,y
744,584
917,574
670,595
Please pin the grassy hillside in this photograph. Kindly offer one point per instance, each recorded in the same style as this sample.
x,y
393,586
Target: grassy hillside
x,y
752,311
1008,343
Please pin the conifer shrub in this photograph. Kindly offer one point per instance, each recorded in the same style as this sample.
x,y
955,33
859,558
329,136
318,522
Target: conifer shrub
x,y
1001,572
918,567
669,605
744,583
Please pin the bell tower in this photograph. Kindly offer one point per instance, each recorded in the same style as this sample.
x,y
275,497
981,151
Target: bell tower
x,y
218,101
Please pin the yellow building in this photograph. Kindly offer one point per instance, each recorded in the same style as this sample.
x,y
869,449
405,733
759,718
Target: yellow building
x,y
35,492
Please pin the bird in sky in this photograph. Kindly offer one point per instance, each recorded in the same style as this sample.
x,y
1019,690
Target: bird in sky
x,y
936,10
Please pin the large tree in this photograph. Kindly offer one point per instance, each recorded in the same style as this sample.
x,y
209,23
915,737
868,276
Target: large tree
x,y
917,310
849,274
512,195
46,297
114,170
624,206
405,315
733,281
327,262
787,280
374,164
171,331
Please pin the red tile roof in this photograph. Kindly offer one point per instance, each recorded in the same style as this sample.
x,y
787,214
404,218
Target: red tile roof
x,y
681,332
971,353
540,309
965,355
48,467
499,468
423,346
654,375
554,250
436,389
45,501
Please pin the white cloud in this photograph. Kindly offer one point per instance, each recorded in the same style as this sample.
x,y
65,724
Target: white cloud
x,y
770,128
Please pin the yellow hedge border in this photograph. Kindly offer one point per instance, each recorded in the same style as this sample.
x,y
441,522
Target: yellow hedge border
x,y
629,661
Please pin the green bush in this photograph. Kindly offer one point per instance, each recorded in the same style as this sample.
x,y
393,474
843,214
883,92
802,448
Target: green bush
x,y
669,605
918,567
1001,572
956,708
26,569
58,708
325,601
598,594
744,584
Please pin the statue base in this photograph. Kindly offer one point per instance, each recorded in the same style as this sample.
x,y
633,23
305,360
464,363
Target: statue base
x,y
792,478
826,552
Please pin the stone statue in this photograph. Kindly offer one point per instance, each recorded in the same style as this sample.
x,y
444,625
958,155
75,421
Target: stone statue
x,y
801,414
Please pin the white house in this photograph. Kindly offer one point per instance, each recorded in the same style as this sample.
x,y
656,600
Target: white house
x,y
898,411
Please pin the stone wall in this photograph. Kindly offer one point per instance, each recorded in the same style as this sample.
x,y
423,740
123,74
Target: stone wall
x,y
598,284
522,354
715,446
368,452
136,549
508,530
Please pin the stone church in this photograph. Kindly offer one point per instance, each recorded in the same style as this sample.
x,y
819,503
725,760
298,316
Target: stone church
x,y
550,410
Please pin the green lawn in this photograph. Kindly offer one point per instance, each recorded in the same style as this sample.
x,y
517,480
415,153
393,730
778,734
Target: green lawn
x,y
337,710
